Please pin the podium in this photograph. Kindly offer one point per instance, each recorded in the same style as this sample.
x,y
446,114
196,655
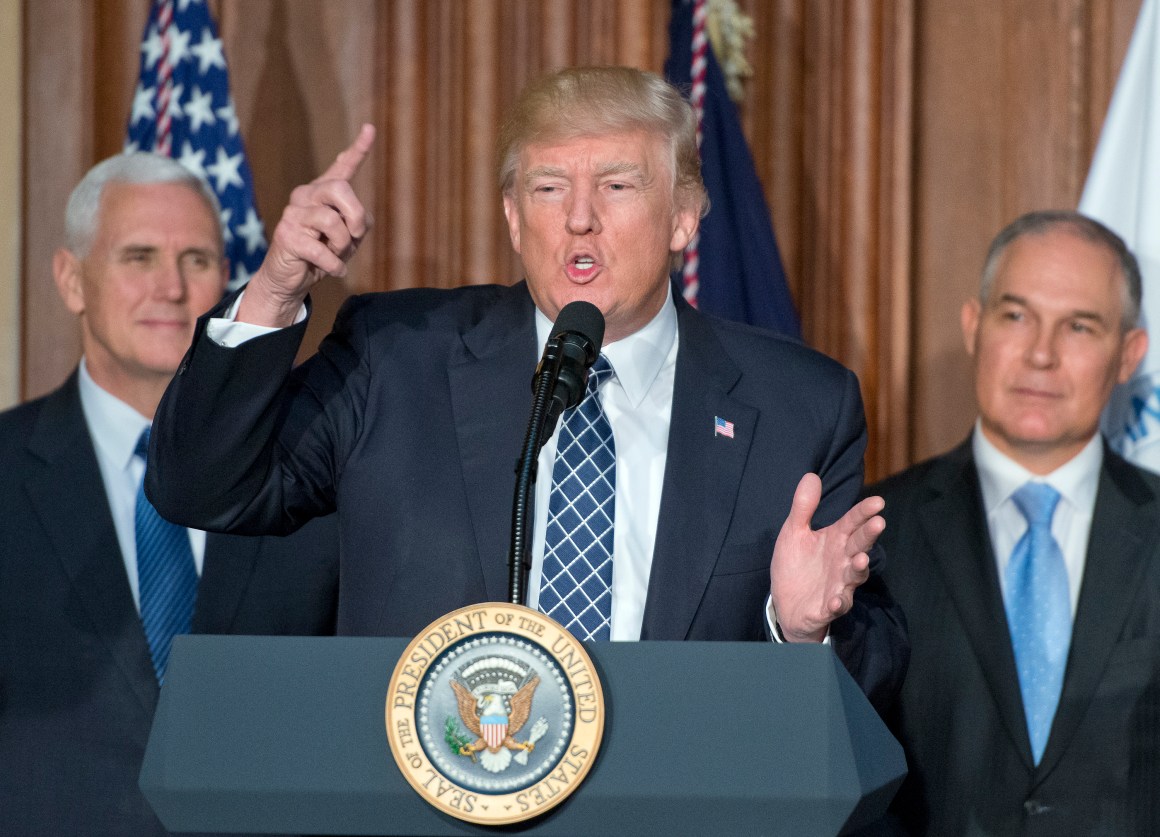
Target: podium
x,y
287,734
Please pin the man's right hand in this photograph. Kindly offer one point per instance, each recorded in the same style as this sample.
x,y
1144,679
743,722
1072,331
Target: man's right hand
x,y
318,233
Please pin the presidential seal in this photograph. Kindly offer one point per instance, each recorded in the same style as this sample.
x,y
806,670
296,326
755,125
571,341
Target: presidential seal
x,y
494,713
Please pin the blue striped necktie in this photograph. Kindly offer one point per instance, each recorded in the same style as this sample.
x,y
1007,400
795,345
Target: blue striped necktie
x,y
1038,611
166,575
576,586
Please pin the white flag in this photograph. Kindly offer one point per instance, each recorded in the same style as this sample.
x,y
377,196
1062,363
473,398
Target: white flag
x,y
1123,191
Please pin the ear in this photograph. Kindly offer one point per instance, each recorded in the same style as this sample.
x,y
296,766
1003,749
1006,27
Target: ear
x,y
685,224
1134,347
511,211
969,320
68,273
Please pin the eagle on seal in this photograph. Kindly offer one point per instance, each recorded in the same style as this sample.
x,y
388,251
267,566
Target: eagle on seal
x,y
493,724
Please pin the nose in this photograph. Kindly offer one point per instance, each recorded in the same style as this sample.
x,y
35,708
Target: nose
x,y
1042,352
582,215
169,281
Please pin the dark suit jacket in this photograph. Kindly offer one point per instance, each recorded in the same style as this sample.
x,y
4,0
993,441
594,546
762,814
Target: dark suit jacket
x,y
77,688
960,716
410,420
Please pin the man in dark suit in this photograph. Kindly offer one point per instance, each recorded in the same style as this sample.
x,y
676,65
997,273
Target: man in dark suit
x,y
79,678
410,418
1032,704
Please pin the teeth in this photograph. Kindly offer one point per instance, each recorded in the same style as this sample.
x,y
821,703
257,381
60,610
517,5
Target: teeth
x,y
585,263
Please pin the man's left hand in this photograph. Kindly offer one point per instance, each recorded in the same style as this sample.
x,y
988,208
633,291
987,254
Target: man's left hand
x,y
813,574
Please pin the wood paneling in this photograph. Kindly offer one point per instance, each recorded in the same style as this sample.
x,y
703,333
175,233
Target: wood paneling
x,y
893,138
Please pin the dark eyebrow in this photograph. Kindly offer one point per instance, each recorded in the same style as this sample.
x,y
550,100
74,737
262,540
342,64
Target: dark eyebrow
x,y
1014,299
131,249
200,251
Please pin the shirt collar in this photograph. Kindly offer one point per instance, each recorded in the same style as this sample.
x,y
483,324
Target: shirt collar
x,y
638,358
1000,476
113,424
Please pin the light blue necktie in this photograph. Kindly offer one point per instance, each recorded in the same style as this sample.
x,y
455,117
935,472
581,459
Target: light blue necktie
x,y
1038,611
576,586
166,575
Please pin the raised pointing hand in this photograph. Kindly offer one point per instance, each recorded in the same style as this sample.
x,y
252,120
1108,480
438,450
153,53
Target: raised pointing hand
x,y
319,231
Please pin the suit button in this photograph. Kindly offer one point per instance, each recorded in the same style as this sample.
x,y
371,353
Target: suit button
x,y
1034,806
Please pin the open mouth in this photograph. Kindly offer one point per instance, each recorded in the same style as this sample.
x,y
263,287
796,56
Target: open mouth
x,y
582,268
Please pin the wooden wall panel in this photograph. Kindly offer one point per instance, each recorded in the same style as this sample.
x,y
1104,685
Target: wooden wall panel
x,y
58,140
893,140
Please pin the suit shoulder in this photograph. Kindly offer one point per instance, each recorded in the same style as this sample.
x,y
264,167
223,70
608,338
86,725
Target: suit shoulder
x,y
422,308
762,351
915,481
17,423
1135,480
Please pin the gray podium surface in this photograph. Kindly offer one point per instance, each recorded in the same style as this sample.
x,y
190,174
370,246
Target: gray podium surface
x,y
282,734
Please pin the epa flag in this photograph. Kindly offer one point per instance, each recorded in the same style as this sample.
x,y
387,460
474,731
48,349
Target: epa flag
x,y
182,108
739,267
1123,191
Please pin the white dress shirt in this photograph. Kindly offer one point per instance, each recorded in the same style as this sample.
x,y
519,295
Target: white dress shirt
x,y
1077,482
115,427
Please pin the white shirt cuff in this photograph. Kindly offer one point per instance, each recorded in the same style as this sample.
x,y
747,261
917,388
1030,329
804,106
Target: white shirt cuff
x,y
227,331
775,629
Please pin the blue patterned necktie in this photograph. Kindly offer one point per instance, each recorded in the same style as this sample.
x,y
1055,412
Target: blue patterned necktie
x,y
166,575
576,587
1038,611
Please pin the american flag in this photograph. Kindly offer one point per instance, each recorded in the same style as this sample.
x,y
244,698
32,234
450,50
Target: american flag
x,y
182,108
722,427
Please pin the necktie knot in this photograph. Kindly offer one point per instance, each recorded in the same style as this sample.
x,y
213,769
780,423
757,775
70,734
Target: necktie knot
x,y
142,449
1036,501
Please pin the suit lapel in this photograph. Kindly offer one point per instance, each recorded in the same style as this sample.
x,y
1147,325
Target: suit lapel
x,y
954,523
491,396
84,539
1123,531
702,477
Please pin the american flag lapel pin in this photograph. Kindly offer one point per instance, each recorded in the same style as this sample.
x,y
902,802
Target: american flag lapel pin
x,y
721,427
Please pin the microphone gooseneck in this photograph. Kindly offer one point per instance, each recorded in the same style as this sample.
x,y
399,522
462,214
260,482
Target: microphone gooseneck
x,y
557,385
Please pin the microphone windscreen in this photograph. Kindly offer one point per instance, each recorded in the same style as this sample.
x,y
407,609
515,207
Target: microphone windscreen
x,y
581,318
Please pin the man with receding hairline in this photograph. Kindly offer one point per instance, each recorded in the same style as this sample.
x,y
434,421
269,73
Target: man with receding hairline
x,y
1027,561
410,418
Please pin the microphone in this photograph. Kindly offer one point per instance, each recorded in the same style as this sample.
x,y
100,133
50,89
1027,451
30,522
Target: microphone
x,y
558,384
571,350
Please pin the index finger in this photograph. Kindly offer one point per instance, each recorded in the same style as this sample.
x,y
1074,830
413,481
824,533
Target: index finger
x,y
347,163
861,512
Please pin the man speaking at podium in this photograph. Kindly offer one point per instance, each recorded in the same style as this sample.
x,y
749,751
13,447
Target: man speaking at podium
x,y
677,501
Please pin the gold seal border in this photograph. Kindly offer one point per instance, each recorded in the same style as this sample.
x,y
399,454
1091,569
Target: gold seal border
x,y
402,728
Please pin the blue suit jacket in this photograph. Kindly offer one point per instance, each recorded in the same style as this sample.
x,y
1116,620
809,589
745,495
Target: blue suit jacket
x,y
410,419
77,688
